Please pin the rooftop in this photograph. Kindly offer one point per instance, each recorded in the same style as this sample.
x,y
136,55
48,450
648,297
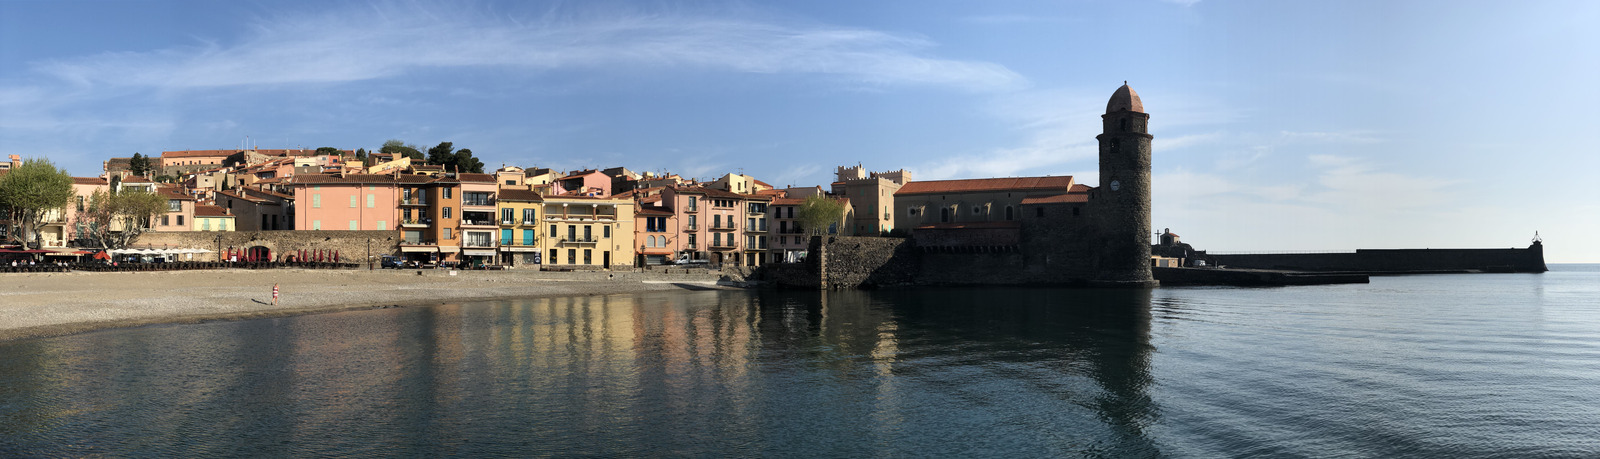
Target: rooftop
x,y
1008,184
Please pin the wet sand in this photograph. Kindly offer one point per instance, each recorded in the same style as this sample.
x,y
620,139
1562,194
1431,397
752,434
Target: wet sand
x,y
53,304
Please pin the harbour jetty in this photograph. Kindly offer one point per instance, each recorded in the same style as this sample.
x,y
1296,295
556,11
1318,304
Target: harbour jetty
x,y
1394,261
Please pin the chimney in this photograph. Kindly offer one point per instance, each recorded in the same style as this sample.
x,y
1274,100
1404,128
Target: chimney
x,y
16,161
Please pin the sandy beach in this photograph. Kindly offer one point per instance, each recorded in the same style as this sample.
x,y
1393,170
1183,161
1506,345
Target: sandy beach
x,y
54,304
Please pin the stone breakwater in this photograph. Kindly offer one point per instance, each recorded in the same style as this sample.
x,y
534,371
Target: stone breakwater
x,y
53,304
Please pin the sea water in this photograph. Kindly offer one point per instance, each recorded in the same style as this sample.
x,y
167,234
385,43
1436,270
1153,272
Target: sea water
x,y
1485,365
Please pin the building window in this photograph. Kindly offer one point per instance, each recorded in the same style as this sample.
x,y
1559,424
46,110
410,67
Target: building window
x,y
1009,216
166,220
383,225
80,203
508,216
1074,211
572,232
716,221
944,215
449,233
447,212
316,224
352,201
691,241
205,224
371,200
716,239
448,192
588,233
553,232
553,260
694,203
527,216
693,220
572,256
354,225
1038,211
174,205
527,237
316,201
180,220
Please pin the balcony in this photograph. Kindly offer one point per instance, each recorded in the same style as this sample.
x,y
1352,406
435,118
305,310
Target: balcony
x,y
724,227
723,246
582,241
756,229
416,223
482,202
413,202
691,227
478,223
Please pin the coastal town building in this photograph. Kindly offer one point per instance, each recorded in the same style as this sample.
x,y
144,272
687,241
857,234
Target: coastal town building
x,y
180,211
212,218
519,225
872,196
587,232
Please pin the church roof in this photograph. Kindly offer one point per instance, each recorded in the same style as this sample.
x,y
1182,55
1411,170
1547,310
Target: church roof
x,y
1124,99
1062,183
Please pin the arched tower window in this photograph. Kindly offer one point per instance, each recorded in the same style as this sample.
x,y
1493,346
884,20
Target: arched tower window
x,y
1009,215
944,215
1124,123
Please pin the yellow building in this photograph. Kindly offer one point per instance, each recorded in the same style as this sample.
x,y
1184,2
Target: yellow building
x,y
519,227
213,218
588,232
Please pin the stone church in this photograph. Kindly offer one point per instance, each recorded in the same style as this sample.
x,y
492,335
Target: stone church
x,y
1046,230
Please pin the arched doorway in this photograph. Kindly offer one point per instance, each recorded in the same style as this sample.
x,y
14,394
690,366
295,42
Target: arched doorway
x,y
257,253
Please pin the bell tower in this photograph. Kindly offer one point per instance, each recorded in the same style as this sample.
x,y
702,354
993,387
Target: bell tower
x,y
1123,197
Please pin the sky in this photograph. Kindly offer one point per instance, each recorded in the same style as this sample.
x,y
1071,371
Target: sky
x,y
1305,125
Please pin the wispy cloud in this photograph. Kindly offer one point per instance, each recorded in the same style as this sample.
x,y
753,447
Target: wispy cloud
x,y
323,48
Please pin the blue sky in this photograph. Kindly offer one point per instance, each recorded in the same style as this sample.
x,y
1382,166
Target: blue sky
x,y
1279,125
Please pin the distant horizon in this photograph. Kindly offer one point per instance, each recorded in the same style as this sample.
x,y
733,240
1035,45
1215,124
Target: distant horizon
x,y
1278,126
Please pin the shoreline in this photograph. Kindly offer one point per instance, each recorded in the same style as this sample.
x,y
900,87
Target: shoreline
x,y
43,305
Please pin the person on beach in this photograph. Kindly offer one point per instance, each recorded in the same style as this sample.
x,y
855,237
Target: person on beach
x,y
274,294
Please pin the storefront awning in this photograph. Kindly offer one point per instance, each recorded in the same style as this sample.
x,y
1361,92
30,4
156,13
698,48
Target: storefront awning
x,y
417,249
478,253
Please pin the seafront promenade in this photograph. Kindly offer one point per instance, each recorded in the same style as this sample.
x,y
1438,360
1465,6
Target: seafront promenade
x,y
53,304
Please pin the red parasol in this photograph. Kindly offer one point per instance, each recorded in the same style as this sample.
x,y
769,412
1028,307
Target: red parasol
x,y
336,255
102,255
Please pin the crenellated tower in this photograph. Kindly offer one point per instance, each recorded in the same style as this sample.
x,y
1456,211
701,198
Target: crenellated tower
x,y
1123,198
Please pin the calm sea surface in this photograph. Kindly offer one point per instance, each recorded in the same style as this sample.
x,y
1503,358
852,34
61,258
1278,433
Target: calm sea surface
x,y
1489,365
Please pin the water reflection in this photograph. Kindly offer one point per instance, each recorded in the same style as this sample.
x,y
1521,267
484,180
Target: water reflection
x,y
1030,371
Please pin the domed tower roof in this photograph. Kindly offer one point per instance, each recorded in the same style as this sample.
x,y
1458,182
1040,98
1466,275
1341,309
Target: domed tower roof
x,y
1124,99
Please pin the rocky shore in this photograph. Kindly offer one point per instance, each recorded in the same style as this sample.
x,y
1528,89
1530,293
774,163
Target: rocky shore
x,y
52,304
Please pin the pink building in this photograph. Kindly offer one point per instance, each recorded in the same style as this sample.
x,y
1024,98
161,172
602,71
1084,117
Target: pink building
x,y
352,202
584,183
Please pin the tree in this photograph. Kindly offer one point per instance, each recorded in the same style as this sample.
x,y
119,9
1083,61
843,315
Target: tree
x,y
453,160
467,163
361,155
395,146
130,209
329,151
139,165
30,192
818,212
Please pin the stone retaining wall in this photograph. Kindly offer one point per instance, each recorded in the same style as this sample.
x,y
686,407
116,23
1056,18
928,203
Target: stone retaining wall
x,y
352,246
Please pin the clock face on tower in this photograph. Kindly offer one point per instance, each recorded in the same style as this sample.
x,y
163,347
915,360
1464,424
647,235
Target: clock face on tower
x,y
1116,185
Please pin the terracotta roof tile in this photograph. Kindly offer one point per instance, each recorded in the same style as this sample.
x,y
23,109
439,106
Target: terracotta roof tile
x,y
88,181
519,195
1062,183
210,211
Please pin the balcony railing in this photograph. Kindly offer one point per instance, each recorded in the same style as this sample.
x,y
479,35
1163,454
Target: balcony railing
x,y
413,202
580,240
477,222
690,227
722,245
419,242
724,227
